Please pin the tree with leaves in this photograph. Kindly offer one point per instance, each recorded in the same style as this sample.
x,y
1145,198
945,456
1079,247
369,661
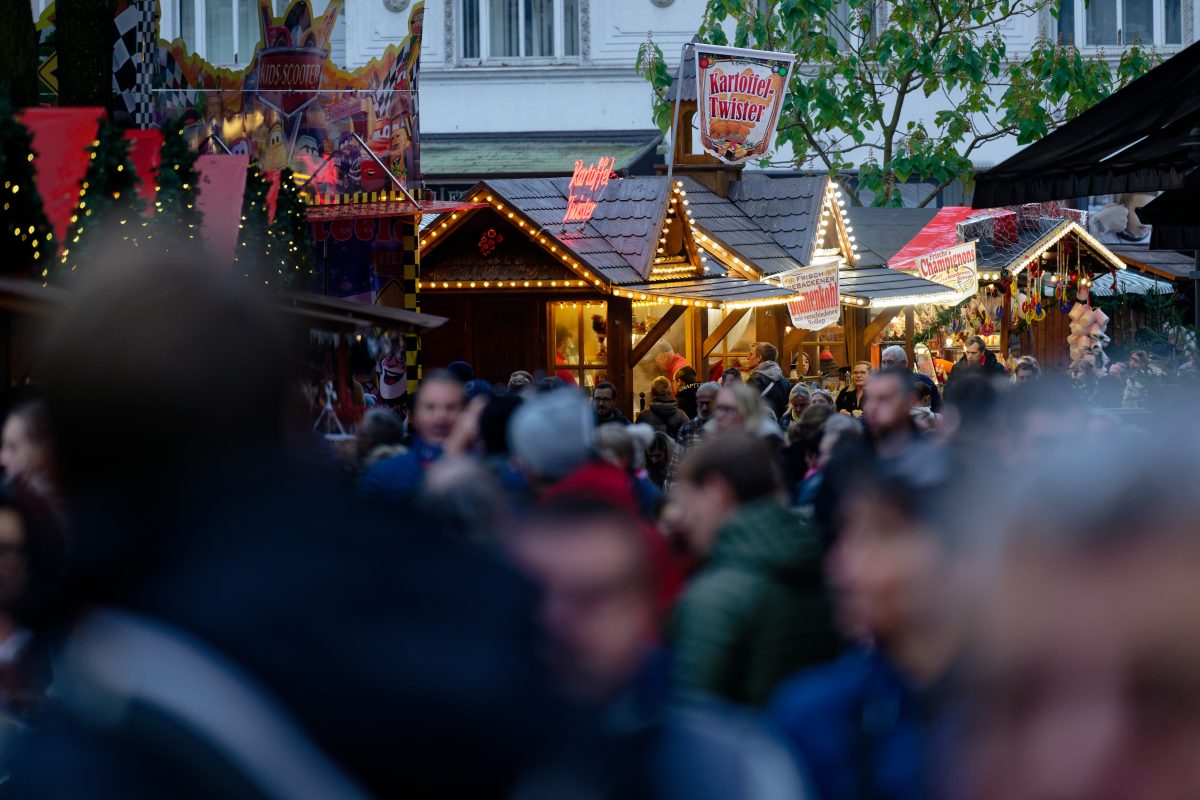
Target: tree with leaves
x,y
26,238
176,220
254,253
291,236
863,66
109,208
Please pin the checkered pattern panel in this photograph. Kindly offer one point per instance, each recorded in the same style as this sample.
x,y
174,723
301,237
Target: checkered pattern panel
x,y
132,61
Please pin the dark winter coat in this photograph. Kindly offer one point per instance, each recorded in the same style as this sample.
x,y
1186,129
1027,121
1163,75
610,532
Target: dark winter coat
x,y
686,398
664,415
757,612
989,368
767,379
617,416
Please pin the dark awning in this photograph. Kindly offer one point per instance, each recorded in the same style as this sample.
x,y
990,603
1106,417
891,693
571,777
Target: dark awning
x,y
1144,137
1174,217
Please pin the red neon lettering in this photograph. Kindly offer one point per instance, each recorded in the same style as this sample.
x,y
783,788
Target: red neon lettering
x,y
586,186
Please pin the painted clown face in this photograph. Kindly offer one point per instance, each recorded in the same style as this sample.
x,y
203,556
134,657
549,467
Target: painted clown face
x,y
392,369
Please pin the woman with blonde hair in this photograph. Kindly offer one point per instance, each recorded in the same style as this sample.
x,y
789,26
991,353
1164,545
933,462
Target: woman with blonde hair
x,y
740,408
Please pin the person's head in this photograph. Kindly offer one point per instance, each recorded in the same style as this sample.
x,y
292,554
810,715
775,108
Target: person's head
x,y
440,400
1082,370
658,453
562,337
890,567
706,397
738,407
821,397
799,399
762,351
27,442
837,432
616,444
859,374
493,423
893,356
686,376
1027,369
663,353
660,389
974,349
552,434
717,477
891,395
731,376
1085,671
379,426
1116,370
1139,359
461,370
924,394
519,380
592,564
805,432
604,399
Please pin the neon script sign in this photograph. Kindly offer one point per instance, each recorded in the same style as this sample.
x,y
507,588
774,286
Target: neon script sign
x,y
586,186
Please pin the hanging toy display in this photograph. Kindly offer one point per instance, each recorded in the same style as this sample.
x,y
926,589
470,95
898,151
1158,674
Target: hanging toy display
x,y
1087,336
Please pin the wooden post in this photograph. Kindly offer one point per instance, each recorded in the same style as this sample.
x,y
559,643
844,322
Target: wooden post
x,y
620,345
910,333
768,327
1005,323
855,323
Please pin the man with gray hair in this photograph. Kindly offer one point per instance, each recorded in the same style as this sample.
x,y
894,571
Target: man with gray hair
x,y
551,435
895,356
767,378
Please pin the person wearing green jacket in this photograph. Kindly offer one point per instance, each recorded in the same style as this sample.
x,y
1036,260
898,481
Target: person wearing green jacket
x,y
758,609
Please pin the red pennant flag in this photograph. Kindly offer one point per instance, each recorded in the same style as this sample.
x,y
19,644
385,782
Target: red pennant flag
x,y
61,137
222,184
145,153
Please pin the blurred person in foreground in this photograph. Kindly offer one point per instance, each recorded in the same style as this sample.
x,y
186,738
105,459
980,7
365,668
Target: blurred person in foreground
x,y
864,726
440,400
803,436
594,566
896,357
228,628
821,397
1083,676
740,408
758,609
380,435
622,446
27,448
887,413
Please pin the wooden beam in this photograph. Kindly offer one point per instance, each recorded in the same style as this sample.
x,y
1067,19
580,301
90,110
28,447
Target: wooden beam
x,y
714,338
1005,322
876,326
620,371
657,332
910,334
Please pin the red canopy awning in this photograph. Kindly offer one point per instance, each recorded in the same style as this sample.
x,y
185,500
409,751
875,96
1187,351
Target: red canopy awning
x,y
940,232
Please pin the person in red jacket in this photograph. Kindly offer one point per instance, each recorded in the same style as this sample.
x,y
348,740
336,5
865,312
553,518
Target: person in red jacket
x,y
667,360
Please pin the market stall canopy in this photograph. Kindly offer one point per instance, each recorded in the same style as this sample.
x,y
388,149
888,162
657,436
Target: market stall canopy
x,y
1168,264
882,287
350,315
937,234
1129,282
729,292
1144,137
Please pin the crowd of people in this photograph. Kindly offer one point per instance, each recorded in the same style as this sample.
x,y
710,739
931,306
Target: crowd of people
x,y
752,590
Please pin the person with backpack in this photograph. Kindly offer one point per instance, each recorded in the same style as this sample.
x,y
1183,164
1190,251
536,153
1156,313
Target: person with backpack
x,y
663,414
767,378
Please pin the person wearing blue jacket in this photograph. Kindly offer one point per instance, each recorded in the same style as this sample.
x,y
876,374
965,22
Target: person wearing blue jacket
x,y
864,726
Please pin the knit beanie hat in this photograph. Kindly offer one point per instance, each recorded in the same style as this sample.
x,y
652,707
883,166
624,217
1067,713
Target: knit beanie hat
x,y
553,433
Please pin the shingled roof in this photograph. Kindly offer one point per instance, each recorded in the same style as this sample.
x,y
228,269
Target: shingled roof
x,y
618,241
787,209
880,285
729,225
881,232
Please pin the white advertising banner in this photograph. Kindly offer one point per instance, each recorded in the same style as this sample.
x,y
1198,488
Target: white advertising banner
x,y
740,94
820,303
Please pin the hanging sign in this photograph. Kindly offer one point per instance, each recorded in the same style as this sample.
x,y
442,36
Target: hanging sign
x,y
953,267
586,186
740,94
819,304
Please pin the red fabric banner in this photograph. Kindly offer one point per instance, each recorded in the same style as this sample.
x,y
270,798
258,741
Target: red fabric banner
x,y
145,153
942,231
222,184
61,137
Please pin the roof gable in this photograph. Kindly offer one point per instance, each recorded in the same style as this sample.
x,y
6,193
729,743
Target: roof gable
x,y
787,209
